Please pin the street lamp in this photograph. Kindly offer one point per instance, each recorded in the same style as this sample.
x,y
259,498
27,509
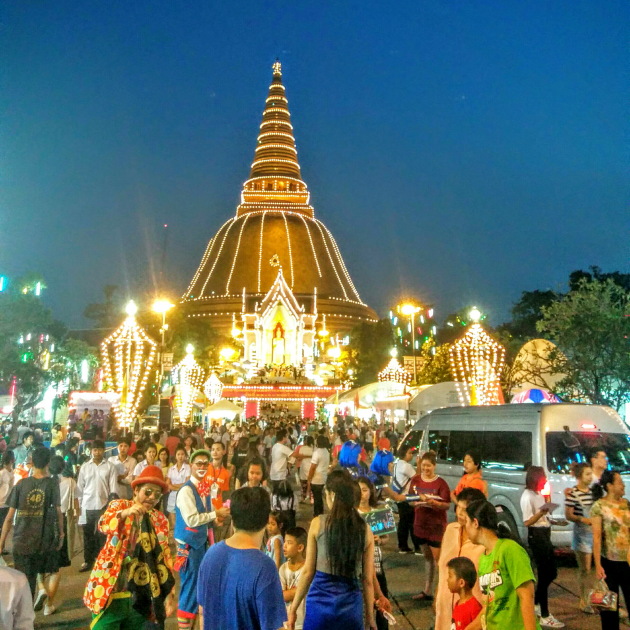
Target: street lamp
x,y
162,307
334,352
410,310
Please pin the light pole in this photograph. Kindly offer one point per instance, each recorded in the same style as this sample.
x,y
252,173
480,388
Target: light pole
x,y
162,307
410,310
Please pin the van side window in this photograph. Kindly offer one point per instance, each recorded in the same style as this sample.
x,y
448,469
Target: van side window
x,y
507,449
438,442
460,442
498,449
413,439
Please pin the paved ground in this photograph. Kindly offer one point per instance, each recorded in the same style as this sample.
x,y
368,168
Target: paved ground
x,y
404,574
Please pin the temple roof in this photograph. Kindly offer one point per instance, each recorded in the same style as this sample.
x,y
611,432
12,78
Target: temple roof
x,y
274,219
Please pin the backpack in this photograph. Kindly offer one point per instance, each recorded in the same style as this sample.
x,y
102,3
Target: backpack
x,y
380,463
283,501
349,454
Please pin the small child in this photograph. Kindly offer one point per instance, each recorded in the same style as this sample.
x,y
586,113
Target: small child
x,y
294,550
462,576
275,542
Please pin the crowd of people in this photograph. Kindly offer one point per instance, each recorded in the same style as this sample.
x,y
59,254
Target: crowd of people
x,y
219,509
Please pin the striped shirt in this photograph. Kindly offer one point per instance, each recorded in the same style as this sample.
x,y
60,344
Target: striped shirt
x,y
580,501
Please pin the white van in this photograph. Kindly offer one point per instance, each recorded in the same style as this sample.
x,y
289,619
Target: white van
x,y
510,438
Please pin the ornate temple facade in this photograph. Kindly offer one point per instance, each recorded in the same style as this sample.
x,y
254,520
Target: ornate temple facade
x,y
273,271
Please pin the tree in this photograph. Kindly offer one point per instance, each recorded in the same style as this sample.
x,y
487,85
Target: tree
x,y
106,314
527,312
369,350
591,328
620,279
436,367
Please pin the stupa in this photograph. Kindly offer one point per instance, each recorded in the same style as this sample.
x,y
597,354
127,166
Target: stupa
x,y
273,270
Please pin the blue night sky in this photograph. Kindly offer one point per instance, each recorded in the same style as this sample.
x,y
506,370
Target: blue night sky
x,y
461,152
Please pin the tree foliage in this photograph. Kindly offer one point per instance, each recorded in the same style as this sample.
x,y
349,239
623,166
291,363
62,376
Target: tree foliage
x,y
591,328
436,367
369,350
34,351
106,314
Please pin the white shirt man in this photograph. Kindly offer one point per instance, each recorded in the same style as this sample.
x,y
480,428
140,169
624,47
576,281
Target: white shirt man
x,y
16,601
98,478
280,454
95,483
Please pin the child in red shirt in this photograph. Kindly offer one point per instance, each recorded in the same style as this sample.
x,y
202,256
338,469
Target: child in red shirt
x,y
462,576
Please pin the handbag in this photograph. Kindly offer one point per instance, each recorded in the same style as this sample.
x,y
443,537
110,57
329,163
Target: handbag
x,y
601,597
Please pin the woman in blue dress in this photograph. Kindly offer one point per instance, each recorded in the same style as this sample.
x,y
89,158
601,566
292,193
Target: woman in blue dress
x,y
339,564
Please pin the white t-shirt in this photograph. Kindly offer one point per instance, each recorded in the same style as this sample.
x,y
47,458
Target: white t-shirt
x,y
280,454
289,579
321,457
305,464
140,466
176,477
531,502
403,472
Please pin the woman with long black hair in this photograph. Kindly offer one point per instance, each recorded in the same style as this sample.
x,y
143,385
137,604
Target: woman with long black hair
x,y
340,549
505,572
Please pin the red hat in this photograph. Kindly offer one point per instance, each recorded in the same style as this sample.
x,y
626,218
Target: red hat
x,y
151,474
384,444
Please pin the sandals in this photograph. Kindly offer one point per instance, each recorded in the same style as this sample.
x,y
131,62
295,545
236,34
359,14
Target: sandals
x,y
423,597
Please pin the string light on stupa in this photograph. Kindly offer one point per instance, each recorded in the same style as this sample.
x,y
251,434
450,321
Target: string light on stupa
x,y
476,364
213,388
128,355
188,376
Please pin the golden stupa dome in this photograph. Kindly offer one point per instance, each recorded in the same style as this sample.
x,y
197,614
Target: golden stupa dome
x,y
274,225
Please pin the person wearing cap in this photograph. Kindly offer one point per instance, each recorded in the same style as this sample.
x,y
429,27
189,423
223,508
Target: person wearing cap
x,y
132,580
194,511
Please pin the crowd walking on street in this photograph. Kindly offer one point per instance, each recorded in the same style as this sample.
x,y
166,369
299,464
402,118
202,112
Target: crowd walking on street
x,y
207,526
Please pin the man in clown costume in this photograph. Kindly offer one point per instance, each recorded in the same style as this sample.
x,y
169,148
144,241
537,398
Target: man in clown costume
x,y
194,512
132,580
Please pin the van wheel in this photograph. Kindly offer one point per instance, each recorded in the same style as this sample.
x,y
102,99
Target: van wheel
x,y
507,520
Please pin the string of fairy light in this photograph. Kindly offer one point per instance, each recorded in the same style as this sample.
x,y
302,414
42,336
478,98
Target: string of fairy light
x,y
128,355
394,372
188,375
477,361
213,388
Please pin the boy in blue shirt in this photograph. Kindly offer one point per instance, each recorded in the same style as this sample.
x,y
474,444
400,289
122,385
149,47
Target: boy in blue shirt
x,y
238,587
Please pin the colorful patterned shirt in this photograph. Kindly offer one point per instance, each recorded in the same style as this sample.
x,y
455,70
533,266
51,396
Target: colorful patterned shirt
x,y
615,528
107,567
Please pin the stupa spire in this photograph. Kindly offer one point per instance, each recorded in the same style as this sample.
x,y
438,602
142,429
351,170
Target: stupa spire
x,y
275,171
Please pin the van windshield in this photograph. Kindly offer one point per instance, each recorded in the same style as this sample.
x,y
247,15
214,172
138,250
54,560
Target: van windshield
x,y
565,448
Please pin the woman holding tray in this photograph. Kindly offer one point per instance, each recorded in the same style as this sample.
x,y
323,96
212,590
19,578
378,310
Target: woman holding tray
x,y
430,516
